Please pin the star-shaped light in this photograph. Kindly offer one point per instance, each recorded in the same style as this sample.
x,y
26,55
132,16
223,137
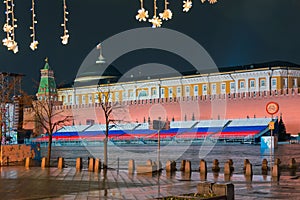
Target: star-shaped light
x,y
7,28
34,45
156,22
142,15
13,45
65,39
6,41
187,5
166,15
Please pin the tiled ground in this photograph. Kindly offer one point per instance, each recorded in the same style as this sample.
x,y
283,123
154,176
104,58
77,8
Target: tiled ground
x,y
52,183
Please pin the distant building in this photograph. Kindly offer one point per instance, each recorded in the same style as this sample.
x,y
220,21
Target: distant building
x,y
233,93
275,77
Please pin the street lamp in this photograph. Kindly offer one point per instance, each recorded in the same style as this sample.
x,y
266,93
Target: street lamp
x,y
272,108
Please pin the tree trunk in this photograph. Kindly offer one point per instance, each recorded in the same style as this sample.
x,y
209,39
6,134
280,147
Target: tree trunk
x,y
105,153
105,145
49,150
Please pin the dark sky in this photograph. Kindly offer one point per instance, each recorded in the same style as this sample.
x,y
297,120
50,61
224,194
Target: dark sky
x,y
234,32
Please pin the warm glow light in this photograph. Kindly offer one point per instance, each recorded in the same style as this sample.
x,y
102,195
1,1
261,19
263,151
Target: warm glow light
x,y
187,5
65,37
166,14
156,22
34,43
142,13
9,27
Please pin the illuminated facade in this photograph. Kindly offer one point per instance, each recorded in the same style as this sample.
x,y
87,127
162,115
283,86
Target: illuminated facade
x,y
265,79
230,94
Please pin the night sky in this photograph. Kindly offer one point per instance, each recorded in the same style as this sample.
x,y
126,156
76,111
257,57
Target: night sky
x,y
234,32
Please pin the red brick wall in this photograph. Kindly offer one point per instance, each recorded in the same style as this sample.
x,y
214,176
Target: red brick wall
x,y
218,107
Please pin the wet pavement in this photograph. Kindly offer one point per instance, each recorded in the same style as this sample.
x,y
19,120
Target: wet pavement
x,y
19,183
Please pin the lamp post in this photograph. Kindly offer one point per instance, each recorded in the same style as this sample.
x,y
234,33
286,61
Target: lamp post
x,y
158,125
272,108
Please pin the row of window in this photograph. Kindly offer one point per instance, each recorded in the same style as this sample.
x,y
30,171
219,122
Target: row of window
x,y
169,92
41,98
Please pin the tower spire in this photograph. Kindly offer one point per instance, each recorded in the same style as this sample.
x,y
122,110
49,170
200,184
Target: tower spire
x,y
47,87
101,59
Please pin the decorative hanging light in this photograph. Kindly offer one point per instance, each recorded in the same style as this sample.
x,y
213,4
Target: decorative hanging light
x,y
156,21
187,5
34,42
9,27
166,14
142,13
11,24
65,37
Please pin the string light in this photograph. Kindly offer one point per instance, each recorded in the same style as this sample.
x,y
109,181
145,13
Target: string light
x,y
65,37
34,42
166,14
156,21
9,27
10,22
142,13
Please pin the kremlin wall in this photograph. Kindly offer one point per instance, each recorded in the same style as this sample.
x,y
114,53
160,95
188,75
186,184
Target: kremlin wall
x,y
235,94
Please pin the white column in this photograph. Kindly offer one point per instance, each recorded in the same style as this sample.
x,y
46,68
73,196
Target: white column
x,y
267,83
256,84
246,84
236,85
149,92
157,92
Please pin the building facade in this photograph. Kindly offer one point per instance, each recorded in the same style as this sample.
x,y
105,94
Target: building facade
x,y
229,94
276,79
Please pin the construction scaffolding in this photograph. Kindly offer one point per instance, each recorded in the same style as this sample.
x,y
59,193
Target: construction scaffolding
x,y
10,105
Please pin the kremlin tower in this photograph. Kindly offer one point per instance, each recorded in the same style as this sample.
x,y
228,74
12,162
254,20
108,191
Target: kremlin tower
x,y
47,86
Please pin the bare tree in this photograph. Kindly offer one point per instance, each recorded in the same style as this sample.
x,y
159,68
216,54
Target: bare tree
x,y
49,119
108,107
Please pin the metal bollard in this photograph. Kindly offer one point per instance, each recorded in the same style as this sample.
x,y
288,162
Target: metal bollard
x,y
27,162
44,163
188,166
61,163
78,164
91,164
97,165
131,166
215,166
249,171
203,167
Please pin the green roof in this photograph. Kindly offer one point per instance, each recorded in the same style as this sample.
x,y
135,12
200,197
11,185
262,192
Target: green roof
x,y
47,65
47,84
